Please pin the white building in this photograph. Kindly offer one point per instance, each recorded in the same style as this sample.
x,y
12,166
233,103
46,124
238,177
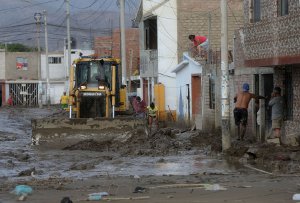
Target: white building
x,y
188,79
58,72
158,48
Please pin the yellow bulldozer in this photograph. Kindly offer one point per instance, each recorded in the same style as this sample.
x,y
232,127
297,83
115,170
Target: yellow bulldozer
x,y
95,89
96,97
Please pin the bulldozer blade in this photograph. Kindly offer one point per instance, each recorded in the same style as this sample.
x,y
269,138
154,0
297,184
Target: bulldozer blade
x,y
62,132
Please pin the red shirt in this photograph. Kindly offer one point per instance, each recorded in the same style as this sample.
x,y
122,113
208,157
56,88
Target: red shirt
x,y
199,40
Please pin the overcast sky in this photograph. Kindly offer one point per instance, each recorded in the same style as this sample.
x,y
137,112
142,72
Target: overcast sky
x,y
92,17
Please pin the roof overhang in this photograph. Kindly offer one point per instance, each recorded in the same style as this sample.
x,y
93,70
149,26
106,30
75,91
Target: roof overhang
x,y
180,66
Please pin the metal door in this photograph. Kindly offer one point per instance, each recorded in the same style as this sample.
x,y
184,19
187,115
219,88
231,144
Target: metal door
x,y
24,94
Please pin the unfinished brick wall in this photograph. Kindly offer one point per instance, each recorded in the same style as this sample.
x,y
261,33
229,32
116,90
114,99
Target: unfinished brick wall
x,y
132,43
110,46
193,18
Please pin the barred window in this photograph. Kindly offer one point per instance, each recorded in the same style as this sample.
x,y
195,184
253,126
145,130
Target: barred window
x,y
54,60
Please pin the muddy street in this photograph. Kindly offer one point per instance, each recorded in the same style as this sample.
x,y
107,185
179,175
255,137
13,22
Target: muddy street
x,y
168,165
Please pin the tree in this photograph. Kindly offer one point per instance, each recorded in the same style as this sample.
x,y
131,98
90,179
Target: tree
x,y
17,47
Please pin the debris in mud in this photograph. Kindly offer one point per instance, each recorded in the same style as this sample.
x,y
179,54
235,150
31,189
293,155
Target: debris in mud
x,y
83,166
90,145
66,200
4,136
139,189
164,141
30,172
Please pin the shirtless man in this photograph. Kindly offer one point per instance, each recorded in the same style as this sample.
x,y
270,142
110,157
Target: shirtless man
x,y
240,111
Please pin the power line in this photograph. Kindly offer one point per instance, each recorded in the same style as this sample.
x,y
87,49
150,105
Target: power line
x,y
84,7
31,5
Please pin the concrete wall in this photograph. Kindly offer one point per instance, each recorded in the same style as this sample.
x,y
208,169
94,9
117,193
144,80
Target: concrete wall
x,y
193,19
11,71
2,65
56,71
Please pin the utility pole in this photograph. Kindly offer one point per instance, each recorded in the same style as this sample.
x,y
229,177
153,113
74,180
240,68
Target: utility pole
x,y
225,79
38,17
68,37
130,70
47,62
123,46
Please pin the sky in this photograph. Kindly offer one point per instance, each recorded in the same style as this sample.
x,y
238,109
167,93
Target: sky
x,y
89,18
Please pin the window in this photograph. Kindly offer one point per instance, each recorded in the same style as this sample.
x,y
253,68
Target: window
x,y
212,101
150,33
256,10
283,7
54,60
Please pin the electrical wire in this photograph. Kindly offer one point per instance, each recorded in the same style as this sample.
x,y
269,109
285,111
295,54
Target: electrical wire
x,y
84,7
22,7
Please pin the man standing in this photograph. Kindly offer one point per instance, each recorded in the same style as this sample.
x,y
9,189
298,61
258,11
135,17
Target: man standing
x,y
240,111
64,100
277,104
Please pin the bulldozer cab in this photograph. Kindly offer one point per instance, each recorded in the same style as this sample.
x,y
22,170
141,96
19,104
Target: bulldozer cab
x,y
93,73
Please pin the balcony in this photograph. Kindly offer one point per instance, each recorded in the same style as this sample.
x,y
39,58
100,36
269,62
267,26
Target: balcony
x,y
148,63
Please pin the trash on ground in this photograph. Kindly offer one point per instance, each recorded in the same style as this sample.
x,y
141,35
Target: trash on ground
x,y
125,198
97,196
139,189
214,187
296,197
22,190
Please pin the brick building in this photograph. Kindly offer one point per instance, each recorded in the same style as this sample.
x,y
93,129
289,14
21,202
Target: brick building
x,y
110,46
271,38
204,18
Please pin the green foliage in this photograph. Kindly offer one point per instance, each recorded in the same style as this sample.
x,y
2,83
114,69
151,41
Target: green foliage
x,y
18,48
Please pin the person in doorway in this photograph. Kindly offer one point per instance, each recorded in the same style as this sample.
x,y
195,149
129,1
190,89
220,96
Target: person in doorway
x,y
64,100
240,111
277,104
201,43
10,101
139,107
152,115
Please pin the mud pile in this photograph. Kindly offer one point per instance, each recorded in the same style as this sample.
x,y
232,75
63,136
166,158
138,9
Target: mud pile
x,y
165,141
268,156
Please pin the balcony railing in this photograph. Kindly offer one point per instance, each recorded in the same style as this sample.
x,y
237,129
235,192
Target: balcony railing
x,y
148,63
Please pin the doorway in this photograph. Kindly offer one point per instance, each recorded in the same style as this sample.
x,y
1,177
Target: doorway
x,y
196,95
